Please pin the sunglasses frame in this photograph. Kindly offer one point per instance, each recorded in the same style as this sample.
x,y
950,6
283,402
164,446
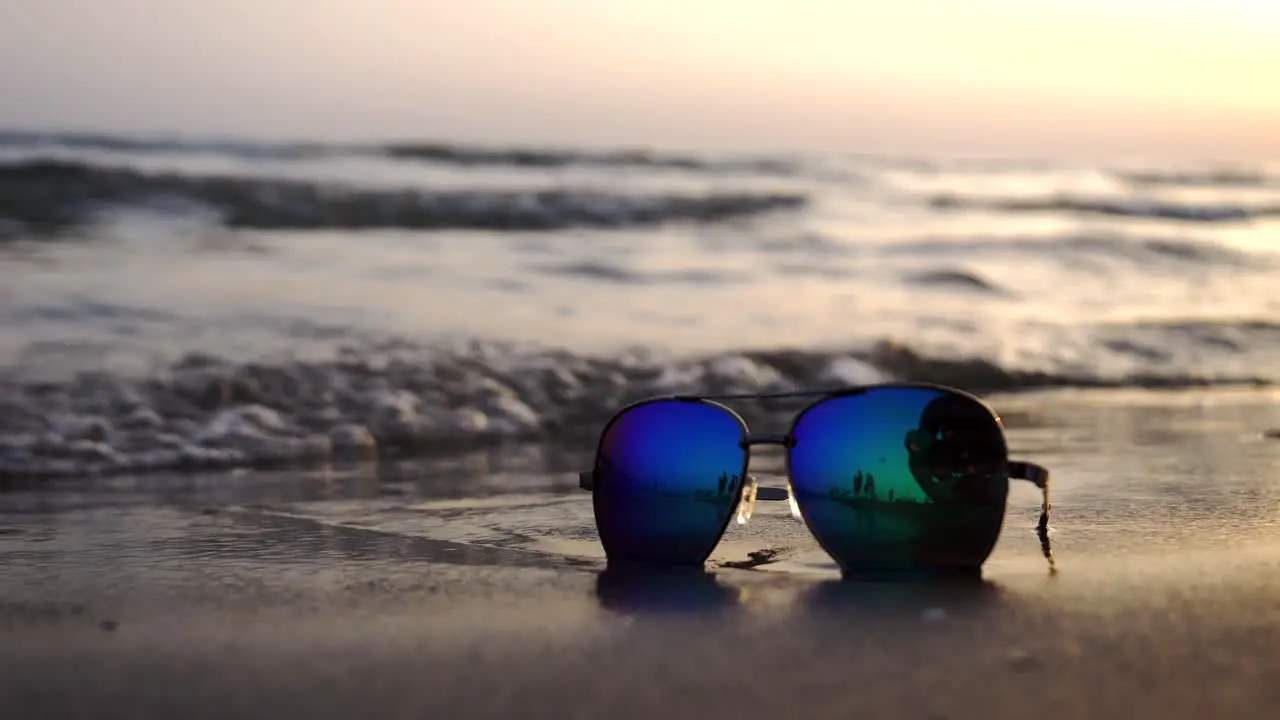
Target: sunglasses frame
x,y
1031,472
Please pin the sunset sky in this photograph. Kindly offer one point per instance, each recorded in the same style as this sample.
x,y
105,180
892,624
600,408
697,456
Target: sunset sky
x,y
1180,78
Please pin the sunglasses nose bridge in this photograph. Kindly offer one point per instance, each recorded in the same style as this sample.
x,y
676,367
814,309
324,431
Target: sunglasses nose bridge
x,y
753,439
746,507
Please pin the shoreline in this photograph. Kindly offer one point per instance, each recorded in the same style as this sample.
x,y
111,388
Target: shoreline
x,y
474,589
354,449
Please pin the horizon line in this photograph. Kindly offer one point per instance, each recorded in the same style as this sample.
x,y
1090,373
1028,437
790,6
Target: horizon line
x,y
58,131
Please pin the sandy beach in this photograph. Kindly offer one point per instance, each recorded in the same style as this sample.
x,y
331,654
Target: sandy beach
x,y
475,589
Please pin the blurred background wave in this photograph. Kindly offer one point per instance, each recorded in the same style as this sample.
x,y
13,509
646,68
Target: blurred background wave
x,y
646,195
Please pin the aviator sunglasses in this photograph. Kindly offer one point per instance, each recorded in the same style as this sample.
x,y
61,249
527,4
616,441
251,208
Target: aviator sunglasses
x,y
896,478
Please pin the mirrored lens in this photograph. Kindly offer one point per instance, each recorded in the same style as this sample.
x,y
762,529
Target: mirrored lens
x,y
668,477
901,479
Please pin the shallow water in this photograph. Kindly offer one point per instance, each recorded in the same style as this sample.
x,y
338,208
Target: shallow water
x,y
1145,484
431,296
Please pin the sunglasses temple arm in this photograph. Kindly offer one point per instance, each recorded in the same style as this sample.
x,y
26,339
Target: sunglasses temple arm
x,y
1037,475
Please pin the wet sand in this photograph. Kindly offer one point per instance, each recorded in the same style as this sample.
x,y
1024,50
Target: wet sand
x,y
474,589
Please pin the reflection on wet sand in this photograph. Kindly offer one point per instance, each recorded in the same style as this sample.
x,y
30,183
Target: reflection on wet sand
x,y
647,589
954,593
636,590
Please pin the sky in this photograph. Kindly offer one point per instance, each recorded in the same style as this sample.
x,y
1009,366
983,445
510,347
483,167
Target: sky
x,y
1098,78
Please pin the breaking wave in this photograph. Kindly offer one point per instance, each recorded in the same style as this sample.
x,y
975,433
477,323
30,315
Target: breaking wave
x,y
53,195
397,399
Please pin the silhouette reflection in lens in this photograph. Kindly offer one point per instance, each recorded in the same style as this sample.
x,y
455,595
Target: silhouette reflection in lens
x,y
660,589
901,480
669,475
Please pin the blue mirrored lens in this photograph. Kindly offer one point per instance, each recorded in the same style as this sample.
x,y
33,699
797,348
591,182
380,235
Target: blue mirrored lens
x,y
901,479
668,477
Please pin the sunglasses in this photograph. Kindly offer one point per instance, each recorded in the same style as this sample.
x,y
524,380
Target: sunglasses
x,y
897,478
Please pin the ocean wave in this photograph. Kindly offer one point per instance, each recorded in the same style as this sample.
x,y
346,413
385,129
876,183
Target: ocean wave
x,y
1222,178
1135,208
1152,339
608,272
1197,253
1142,250
467,155
398,400
965,280
430,152
48,195
166,145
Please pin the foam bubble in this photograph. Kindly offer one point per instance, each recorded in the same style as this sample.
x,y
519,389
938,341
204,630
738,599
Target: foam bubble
x,y
209,413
